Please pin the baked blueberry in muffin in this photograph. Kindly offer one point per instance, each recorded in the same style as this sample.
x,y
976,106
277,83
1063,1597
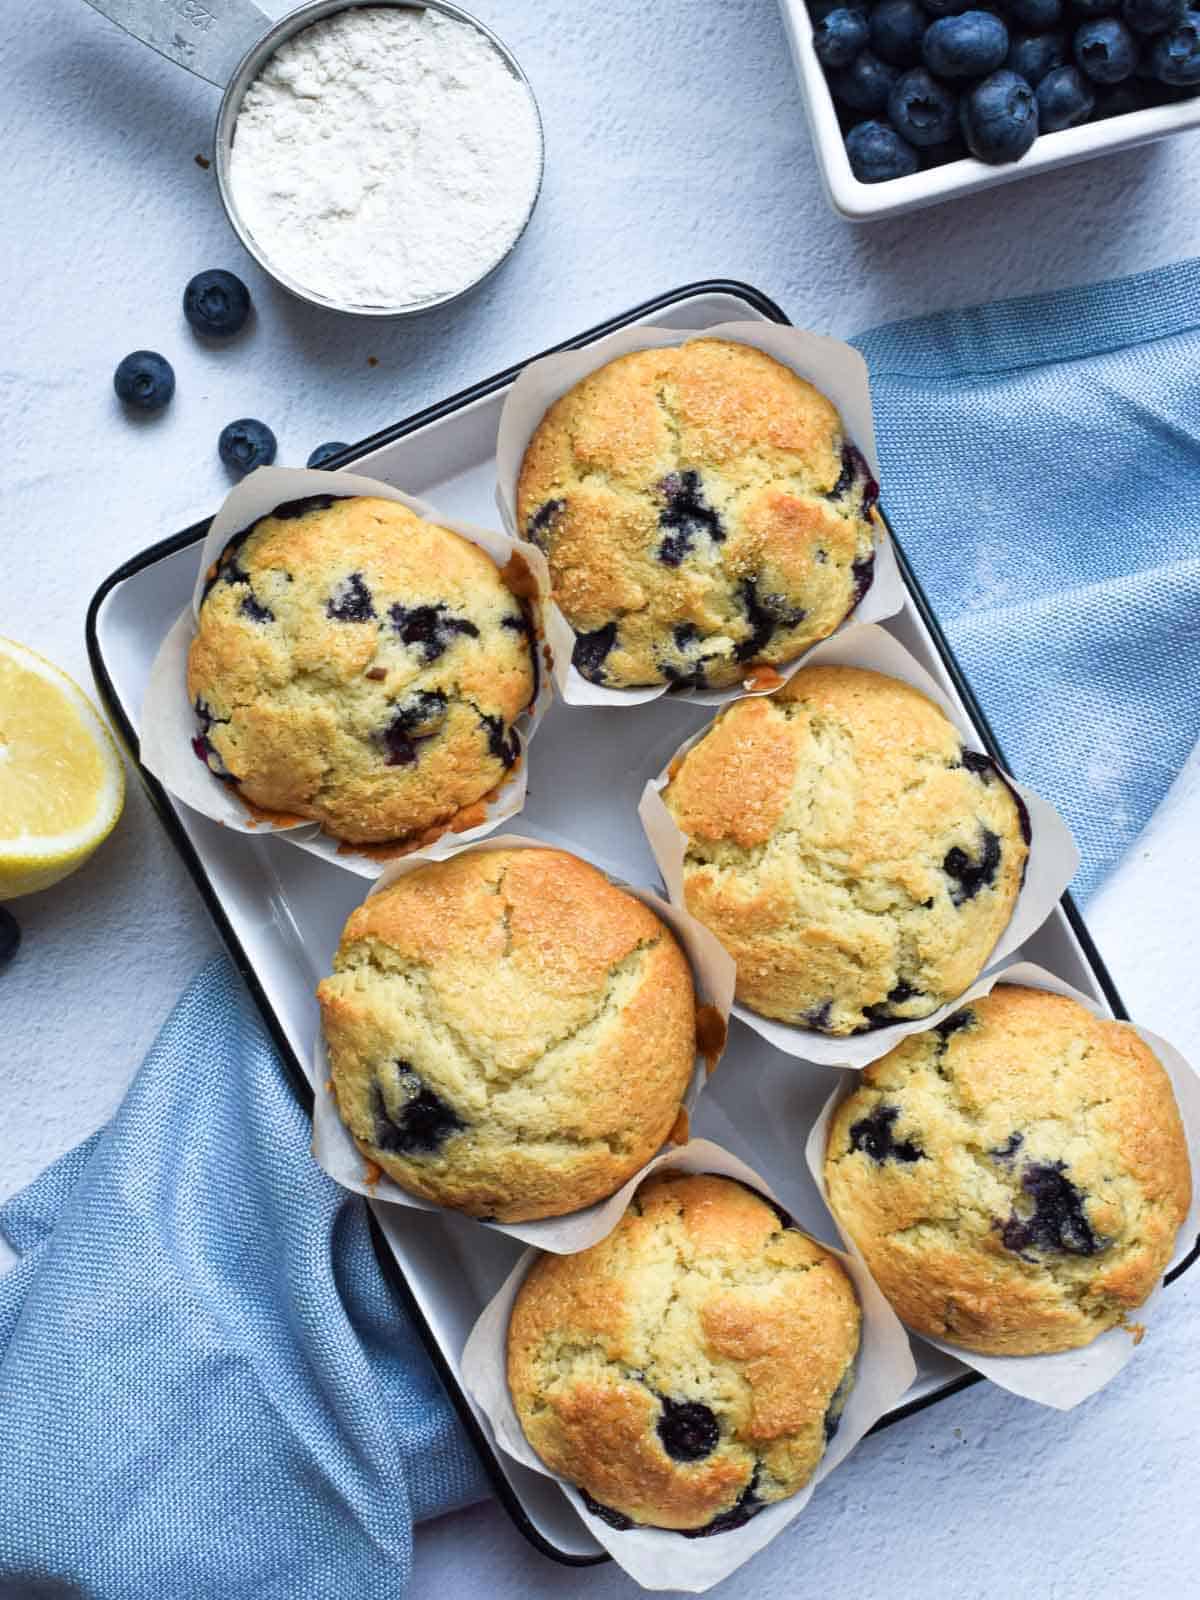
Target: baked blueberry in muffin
x,y
358,666
857,863
690,1368
1015,1181
509,1034
702,512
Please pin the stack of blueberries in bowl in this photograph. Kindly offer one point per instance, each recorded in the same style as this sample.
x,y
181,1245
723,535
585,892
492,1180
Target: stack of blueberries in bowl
x,y
918,83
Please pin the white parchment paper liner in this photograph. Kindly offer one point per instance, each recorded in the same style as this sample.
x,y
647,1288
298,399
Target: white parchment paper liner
x,y
833,367
655,1558
169,723
1066,1379
1053,857
712,974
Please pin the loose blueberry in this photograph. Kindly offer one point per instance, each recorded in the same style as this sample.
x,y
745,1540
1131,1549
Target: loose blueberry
x,y
1033,55
614,1519
684,517
878,153
1038,16
1058,1221
216,304
431,629
1065,99
764,613
967,46
1107,52
839,36
897,28
955,1024
1153,16
1007,1150
921,109
591,651
969,875
505,746
1176,55
688,1430
326,452
144,380
999,118
873,1134
539,525
351,601
246,444
422,1124
10,936
864,86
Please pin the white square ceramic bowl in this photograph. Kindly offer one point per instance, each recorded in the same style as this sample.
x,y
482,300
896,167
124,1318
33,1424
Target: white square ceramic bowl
x,y
868,202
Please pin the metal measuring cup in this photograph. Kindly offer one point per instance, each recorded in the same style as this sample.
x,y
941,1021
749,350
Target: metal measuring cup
x,y
228,42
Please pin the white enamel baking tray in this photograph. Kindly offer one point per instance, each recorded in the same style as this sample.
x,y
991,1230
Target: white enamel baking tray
x,y
869,202
280,910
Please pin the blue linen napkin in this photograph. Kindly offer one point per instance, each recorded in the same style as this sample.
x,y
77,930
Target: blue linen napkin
x,y
208,1390
1041,462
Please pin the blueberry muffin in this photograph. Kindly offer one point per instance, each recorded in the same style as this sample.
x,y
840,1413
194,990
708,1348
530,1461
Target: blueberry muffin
x,y
1015,1178
509,1033
360,667
857,863
702,512
690,1368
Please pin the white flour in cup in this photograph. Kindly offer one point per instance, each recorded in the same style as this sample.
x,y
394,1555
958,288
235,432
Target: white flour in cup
x,y
385,157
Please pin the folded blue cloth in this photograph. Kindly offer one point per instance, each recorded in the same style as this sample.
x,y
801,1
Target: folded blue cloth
x,y
208,1390
1039,459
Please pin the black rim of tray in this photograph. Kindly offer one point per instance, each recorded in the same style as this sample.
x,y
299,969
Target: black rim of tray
x,y
162,803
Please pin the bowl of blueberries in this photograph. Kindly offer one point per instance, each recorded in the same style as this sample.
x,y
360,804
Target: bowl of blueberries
x,y
915,101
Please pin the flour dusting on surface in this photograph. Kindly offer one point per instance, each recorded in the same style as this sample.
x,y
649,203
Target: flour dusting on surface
x,y
386,157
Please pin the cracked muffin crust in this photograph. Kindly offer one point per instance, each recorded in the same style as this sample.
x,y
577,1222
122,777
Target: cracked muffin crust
x,y
854,859
702,512
509,1033
1015,1178
690,1368
358,666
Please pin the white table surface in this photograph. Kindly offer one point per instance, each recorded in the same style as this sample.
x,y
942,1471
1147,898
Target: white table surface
x,y
676,151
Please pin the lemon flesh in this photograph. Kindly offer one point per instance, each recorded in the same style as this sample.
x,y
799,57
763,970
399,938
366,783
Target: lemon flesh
x,y
62,784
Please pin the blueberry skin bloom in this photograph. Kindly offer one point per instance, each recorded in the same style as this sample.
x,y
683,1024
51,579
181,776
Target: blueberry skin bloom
x,y
969,46
999,118
216,304
1065,99
878,153
144,380
1037,15
1176,55
1105,50
326,452
839,36
1033,55
865,84
922,110
1153,16
246,444
897,28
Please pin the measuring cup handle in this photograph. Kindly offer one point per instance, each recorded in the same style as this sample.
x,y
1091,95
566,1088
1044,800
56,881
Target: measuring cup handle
x,y
208,37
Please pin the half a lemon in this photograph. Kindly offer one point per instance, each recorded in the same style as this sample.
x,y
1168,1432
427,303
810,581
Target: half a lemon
x,y
62,784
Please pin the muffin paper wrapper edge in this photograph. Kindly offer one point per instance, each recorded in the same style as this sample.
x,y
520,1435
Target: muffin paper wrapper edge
x,y
337,1153
1052,862
1064,1380
655,1558
830,365
168,723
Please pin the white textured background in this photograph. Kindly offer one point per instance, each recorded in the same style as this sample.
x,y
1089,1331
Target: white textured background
x,y
676,150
